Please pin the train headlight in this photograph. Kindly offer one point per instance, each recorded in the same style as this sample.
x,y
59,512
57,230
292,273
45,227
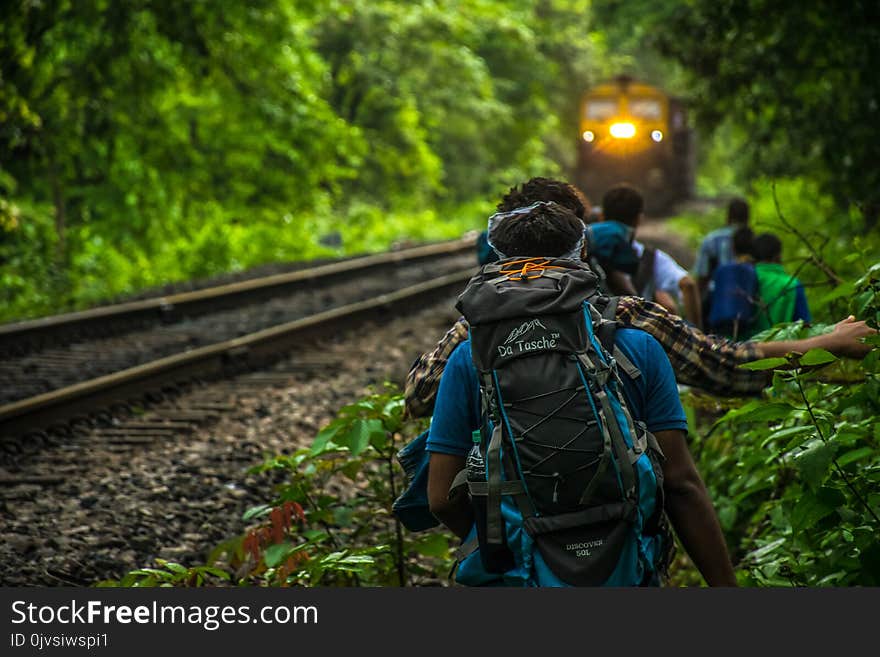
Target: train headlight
x,y
623,130
656,135
588,135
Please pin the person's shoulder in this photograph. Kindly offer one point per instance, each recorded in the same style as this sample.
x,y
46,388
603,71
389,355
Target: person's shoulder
x,y
461,354
717,234
664,258
634,340
645,352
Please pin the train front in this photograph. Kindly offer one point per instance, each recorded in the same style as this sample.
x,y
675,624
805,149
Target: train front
x,y
628,133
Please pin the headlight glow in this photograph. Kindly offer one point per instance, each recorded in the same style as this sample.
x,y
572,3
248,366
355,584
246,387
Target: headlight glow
x,y
623,130
588,135
656,135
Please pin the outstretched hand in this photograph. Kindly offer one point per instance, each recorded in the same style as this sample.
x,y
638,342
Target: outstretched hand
x,y
845,338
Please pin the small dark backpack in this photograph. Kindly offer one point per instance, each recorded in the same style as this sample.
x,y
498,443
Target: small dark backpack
x,y
643,281
572,489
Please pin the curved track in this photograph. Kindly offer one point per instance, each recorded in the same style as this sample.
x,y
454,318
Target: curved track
x,y
207,334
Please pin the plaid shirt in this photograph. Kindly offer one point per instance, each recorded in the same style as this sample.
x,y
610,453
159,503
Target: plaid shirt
x,y
698,360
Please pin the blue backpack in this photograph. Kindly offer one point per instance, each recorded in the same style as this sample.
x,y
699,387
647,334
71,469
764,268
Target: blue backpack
x,y
571,493
609,243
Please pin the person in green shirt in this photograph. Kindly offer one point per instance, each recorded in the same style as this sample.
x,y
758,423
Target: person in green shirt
x,y
781,295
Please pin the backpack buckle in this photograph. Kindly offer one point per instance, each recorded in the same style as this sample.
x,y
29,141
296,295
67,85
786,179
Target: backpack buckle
x,y
612,365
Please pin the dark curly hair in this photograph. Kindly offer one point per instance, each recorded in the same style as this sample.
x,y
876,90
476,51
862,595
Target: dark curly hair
x,y
548,229
766,247
738,211
742,241
546,189
623,203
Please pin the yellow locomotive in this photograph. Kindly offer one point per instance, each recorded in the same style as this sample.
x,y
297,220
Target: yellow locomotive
x,y
634,132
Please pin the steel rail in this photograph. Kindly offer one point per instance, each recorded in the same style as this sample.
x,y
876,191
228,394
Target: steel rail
x,y
217,360
173,307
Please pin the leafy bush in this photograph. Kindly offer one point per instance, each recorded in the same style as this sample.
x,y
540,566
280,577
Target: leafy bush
x,y
795,475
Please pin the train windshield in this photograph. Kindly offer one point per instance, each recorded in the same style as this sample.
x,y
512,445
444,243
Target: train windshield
x,y
645,108
600,109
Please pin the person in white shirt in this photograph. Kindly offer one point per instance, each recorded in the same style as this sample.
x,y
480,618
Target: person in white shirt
x,y
667,283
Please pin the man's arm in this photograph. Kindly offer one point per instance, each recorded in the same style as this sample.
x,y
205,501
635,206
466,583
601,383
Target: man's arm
x,y
691,512
707,362
454,512
712,363
666,300
690,293
843,341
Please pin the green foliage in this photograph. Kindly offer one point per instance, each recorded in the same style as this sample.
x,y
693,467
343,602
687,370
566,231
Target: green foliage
x,y
168,574
795,81
151,141
359,542
794,476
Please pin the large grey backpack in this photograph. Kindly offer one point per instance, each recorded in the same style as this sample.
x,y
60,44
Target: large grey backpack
x,y
571,491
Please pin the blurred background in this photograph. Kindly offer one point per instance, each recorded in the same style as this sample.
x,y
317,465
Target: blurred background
x,y
151,141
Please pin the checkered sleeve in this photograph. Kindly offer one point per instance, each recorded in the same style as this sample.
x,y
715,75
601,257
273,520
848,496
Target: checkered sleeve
x,y
704,361
423,378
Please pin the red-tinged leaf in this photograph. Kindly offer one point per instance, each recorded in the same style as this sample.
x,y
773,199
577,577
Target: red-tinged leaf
x,y
277,525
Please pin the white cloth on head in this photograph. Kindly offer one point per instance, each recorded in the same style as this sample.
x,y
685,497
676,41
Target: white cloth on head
x,y
495,219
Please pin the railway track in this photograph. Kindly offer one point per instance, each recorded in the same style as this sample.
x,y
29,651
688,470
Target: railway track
x,y
58,372
170,477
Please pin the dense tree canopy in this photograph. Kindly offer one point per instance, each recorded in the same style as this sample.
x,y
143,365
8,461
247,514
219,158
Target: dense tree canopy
x,y
153,139
797,79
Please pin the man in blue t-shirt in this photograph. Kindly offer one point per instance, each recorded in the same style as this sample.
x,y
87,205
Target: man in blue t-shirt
x,y
652,398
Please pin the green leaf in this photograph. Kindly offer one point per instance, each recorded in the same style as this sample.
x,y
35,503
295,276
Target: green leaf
x,y
808,511
324,437
342,516
855,455
315,535
772,411
175,567
727,517
817,357
153,572
813,463
765,551
844,290
357,438
755,411
433,545
787,432
764,364
216,572
276,554
256,511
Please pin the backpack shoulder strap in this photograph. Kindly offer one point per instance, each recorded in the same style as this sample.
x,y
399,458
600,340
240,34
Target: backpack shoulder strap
x,y
605,332
643,281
